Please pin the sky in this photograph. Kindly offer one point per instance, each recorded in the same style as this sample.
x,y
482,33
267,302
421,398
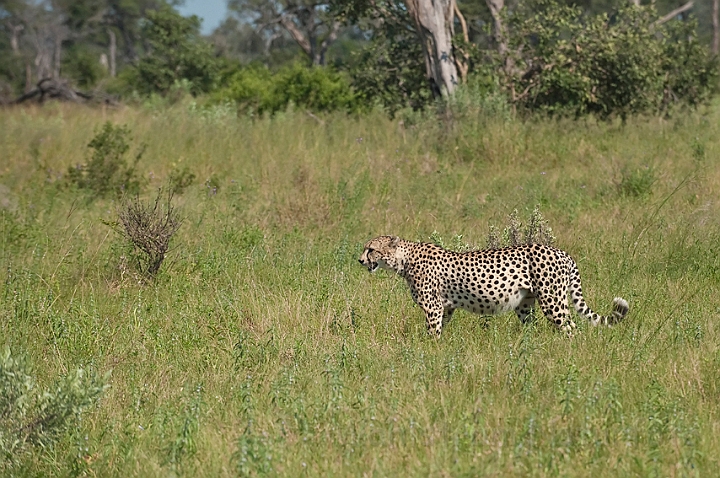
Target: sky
x,y
212,12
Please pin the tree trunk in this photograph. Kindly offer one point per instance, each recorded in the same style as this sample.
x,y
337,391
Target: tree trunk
x,y
113,52
58,51
716,27
329,40
28,77
500,32
434,25
15,29
299,37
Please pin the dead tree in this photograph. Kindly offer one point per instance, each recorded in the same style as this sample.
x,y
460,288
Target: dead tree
x,y
53,88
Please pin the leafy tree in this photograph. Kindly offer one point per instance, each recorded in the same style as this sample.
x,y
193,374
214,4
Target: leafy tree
x,y
690,73
431,21
566,62
389,69
126,17
310,23
240,40
176,52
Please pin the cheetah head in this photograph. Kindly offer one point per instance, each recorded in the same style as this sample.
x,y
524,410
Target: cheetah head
x,y
382,252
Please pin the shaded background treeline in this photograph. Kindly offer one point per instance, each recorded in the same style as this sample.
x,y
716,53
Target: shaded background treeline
x,y
550,56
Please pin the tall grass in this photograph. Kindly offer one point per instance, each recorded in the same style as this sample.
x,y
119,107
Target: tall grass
x,y
263,348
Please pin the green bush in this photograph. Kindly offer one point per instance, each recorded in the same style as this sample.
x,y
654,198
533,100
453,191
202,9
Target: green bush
x,y
107,171
256,88
637,182
610,65
689,71
180,179
390,72
31,419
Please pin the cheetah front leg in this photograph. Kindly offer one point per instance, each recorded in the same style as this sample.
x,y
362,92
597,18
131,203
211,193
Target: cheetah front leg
x,y
434,315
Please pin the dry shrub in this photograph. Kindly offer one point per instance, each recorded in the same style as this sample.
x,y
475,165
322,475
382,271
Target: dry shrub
x,y
149,227
537,231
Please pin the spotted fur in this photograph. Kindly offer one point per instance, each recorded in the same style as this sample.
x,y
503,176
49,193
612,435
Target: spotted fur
x,y
487,282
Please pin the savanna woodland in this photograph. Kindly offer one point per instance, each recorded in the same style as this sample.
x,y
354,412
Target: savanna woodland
x,y
181,217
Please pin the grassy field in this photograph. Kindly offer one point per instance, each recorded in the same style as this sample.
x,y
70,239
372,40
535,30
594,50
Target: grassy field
x,y
264,349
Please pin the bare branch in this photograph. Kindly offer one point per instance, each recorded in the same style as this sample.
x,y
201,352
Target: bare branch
x,y
329,39
297,35
462,64
674,13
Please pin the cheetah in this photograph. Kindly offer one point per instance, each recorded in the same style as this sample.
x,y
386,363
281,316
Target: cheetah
x,y
487,282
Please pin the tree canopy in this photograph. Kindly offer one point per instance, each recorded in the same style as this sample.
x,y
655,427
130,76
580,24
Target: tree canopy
x,y
560,57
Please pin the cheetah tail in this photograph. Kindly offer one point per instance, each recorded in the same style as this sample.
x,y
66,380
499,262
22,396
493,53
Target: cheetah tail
x,y
619,311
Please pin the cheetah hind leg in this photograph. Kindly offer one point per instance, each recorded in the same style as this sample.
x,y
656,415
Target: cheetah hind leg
x,y
447,315
525,309
555,310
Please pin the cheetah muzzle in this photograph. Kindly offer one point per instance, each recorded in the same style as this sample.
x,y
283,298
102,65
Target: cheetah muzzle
x,y
487,282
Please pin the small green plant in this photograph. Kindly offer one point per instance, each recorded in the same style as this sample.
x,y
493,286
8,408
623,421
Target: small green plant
x,y
183,445
456,242
253,453
149,228
637,182
537,231
180,179
31,420
107,170
698,150
212,184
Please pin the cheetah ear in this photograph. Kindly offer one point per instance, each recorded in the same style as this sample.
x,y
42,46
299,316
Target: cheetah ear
x,y
395,241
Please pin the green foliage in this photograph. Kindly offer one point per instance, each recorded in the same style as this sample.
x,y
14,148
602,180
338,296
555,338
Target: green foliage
x,y
180,179
176,53
690,72
83,67
184,446
390,70
255,88
32,420
575,64
253,454
107,170
637,182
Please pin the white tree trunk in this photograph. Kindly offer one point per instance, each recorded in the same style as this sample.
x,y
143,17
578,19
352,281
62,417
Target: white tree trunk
x,y
113,52
716,27
500,32
56,55
15,33
434,24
